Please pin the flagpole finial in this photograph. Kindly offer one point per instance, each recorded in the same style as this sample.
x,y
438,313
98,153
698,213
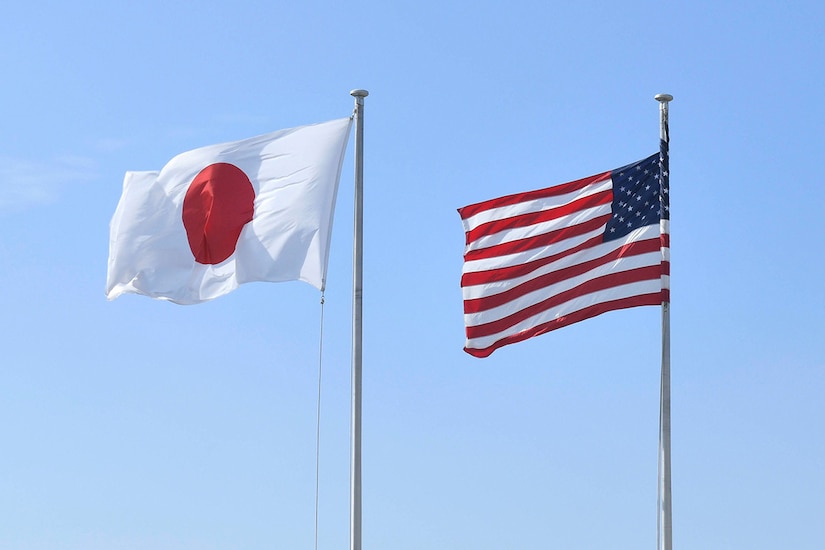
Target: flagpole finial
x,y
359,93
664,98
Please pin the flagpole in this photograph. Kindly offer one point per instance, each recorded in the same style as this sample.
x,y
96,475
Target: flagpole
x,y
665,508
357,288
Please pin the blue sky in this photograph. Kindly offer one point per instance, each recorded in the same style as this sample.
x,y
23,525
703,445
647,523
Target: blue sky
x,y
141,424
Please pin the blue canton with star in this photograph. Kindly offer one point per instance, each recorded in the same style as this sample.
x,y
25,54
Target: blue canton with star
x,y
639,196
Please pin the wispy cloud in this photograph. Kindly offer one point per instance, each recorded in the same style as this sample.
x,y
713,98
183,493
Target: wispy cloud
x,y
25,182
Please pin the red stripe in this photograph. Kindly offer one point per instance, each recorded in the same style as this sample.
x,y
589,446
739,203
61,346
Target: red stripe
x,y
532,218
509,200
593,285
476,305
511,272
538,241
653,299
665,240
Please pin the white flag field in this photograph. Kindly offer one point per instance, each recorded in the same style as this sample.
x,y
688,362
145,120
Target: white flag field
x,y
259,209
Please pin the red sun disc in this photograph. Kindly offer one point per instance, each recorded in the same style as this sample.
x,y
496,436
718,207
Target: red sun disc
x,y
220,201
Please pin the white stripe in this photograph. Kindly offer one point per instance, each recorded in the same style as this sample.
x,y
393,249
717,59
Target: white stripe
x,y
535,205
615,293
594,253
496,262
517,233
518,258
538,295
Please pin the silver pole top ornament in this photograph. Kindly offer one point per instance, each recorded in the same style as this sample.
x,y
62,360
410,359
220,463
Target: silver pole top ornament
x,y
359,93
664,98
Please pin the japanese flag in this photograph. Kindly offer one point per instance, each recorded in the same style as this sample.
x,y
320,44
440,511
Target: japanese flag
x,y
259,209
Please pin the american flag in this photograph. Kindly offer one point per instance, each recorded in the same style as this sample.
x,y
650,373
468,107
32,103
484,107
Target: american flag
x,y
541,260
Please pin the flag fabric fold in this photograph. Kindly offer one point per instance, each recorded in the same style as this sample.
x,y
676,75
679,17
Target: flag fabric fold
x,y
541,260
258,209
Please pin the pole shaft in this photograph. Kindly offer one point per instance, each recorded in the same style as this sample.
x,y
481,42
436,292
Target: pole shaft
x,y
665,508
665,503
357,291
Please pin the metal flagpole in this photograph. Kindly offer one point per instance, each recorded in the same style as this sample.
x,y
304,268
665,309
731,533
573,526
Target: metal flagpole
x,y
664,529
357,287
